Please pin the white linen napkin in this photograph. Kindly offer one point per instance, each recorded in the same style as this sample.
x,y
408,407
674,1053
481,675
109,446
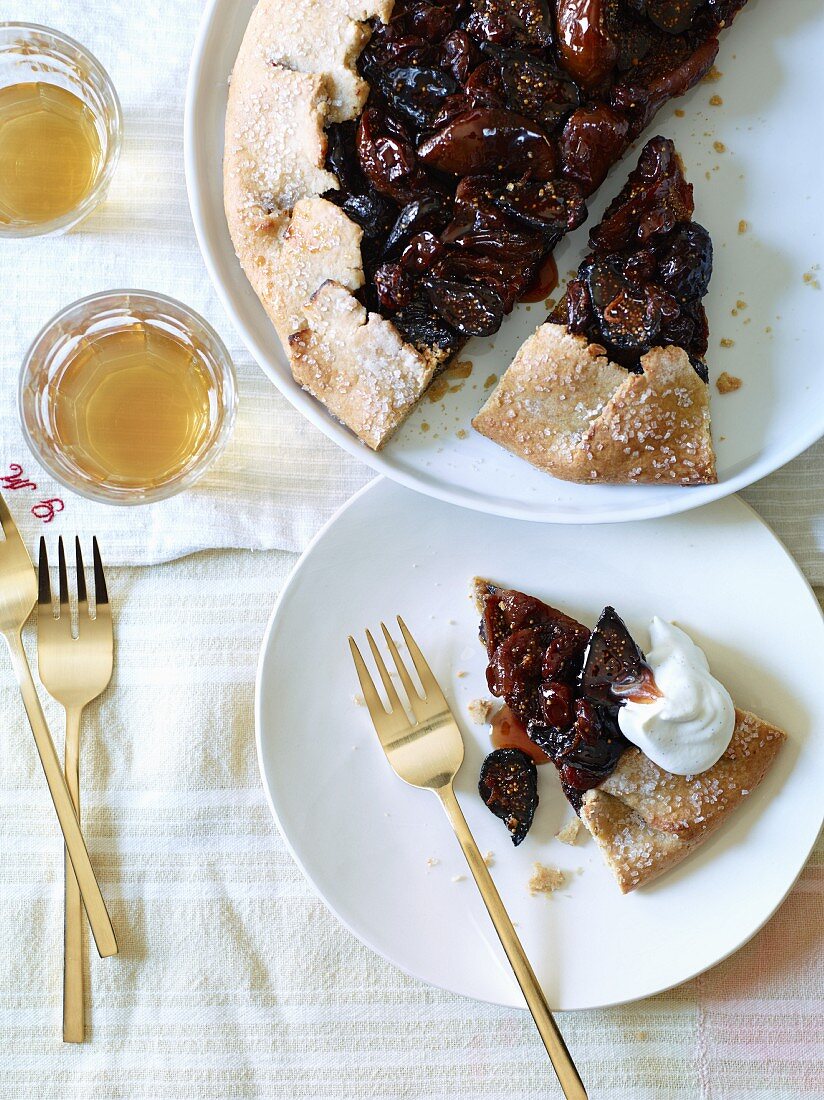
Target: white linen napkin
x,y
280,478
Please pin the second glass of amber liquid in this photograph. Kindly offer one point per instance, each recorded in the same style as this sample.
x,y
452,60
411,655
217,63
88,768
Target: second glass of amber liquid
x,y
60,131
127,397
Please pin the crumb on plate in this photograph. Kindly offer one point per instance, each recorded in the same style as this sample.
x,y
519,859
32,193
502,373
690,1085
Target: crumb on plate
x,y
728,383
545,880
570,831
480,710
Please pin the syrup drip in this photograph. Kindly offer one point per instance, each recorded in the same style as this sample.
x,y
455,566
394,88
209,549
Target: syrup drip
x,y
644,690
545,282
509,733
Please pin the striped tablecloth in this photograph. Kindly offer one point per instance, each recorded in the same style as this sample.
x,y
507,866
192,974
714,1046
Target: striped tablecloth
x,y
235,981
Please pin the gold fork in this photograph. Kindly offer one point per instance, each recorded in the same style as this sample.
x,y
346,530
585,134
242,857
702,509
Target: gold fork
x,y
427,753
74,669
18,595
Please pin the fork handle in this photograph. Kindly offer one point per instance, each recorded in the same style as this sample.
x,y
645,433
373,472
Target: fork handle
x,y
553,1040
74,1025
99,920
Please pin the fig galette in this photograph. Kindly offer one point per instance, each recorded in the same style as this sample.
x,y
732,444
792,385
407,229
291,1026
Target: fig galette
x,y
613,388
397,173
651,752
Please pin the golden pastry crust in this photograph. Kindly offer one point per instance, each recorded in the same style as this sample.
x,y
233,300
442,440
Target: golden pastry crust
x,y
565,408
295,74
646,820
357,364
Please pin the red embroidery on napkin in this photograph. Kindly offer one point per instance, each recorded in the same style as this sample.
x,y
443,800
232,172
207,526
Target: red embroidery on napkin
x,y
44,510
16,479
48,509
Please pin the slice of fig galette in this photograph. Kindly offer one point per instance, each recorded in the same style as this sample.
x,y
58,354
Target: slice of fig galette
x,y
397,173
613,388
651,751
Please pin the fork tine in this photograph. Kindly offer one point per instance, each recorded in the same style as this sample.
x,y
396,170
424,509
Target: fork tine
x,y
430,685
377,710
63,576
395,704
101,594
82,596
44,596
406,679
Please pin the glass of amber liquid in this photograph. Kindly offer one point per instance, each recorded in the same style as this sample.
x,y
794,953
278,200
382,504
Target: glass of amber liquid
x,y
60,131
127,397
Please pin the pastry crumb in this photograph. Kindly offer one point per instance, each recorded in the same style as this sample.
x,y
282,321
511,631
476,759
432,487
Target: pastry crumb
x,y
719,147
712,76
459,878
679,112
545,880
480,710
727,343
570,831
432,862
716,101
359,700
490,382
743,227
489,858
461,674
728,383
810,280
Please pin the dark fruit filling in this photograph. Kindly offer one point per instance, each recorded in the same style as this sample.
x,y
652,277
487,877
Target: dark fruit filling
x,y
642,284
563,684
488,124
509,787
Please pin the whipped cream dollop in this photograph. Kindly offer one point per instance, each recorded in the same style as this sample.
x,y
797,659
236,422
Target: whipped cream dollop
x,y
689,726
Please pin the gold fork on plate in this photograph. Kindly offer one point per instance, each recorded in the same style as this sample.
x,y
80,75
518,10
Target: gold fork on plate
x,y
18,595
74,668
427,753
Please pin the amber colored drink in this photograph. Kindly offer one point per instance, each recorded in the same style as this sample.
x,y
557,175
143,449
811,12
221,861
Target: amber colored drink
x,y
132,407
50,153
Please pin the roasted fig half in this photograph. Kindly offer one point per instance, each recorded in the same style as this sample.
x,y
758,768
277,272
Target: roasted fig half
x,y
509,787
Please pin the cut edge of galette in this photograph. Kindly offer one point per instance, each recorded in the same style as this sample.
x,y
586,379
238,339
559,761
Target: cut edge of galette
x,y
566,409
645,820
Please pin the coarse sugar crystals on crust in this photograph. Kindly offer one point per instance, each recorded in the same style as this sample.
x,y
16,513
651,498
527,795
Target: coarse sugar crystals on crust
x,y
646,820
565,408
357,364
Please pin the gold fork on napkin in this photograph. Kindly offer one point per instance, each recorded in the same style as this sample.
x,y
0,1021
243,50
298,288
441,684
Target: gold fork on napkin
x,y
74,669
18,595
427,753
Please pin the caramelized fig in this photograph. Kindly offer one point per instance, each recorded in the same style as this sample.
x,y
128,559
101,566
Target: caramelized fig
x,y
470,309
615,666
421,325
422,253
654,199
628,315
459,55
670,69
576,309
431,21
673,16
428,212
537,89
387,156
374,213
489,140
554,206
593,139
394,287
509,787
524,23
587,49
685,264
342,157
417,94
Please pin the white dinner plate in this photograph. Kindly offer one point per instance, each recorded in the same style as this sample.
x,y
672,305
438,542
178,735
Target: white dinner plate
x,y
768,176
364,838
